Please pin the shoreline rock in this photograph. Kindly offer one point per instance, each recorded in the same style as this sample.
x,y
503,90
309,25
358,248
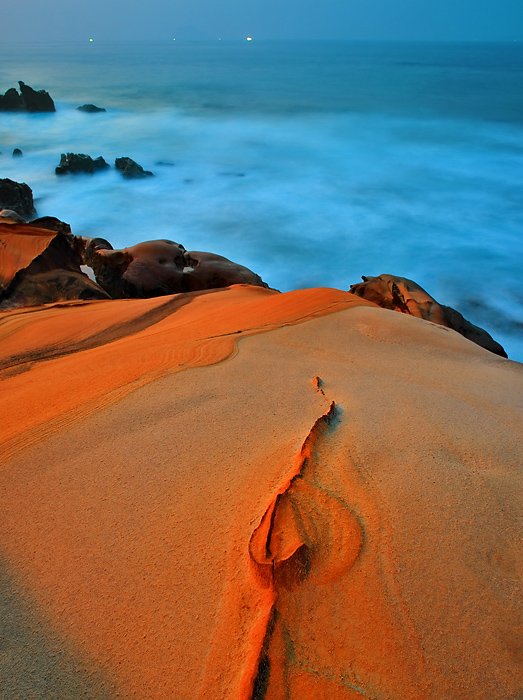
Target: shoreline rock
x,y
90,109
17,196
75,163
130,169
408,297
28,100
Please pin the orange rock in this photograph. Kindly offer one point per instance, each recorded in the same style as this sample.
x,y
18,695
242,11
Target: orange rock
x,y
404,295
246,494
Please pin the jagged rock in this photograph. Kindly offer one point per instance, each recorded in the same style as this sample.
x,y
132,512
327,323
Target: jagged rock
x,y
404,295
156,268
11,101
90,108
80,163
130,168
17,196
36,100
17,153
39,266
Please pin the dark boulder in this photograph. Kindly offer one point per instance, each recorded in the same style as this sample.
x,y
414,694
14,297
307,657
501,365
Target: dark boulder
x,y
36,100
404,295
157,268
17,196
51,223
210,271
41,266
90,109
80,163
17,153
130,168
11,101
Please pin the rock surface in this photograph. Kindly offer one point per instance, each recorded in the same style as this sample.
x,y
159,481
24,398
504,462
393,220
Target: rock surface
x,y
75,163
156,268
91,109
28,100
8,216
131,169
404,295
39,266
245,494
17,196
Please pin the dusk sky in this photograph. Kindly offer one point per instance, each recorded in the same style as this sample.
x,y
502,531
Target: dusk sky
x,y
265,19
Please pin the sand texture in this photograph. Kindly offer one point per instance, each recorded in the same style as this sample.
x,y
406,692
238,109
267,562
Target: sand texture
x,y
240,494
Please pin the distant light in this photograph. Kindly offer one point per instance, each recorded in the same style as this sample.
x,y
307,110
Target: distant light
x,y
174,38
91,39
248,38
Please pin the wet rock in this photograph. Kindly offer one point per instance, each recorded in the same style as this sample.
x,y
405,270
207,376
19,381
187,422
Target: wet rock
x,y
17,196
17,153
11,101
36,100
130,168
404,295
90,109
75,163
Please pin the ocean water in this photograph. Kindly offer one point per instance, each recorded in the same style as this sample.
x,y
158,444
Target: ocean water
x,y
311,163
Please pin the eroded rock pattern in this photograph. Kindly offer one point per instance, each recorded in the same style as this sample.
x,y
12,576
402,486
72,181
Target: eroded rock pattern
x,y
156,268
39,266
404,295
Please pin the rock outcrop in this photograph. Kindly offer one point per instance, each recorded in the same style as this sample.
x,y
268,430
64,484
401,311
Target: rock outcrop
x,y
75,163
131,169
157,268
246,495
11,101
39,266
17,196
404,295
91,109
28,100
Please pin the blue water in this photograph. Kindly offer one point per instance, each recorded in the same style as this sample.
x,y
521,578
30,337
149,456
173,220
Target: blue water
x,y
311,163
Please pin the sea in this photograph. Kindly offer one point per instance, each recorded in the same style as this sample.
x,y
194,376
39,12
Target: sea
x,y
312,163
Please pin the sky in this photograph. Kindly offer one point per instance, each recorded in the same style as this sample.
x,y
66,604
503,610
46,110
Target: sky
x,y
425,20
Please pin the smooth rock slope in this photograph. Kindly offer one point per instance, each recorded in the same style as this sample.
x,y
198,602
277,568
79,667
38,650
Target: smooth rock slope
x,y
245,494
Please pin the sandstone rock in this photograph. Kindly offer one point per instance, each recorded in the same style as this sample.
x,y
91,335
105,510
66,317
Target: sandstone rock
x,y
211,271
157,268
39,266
16,196
75,163
404,295
90,108
51,223
8,216
131,169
